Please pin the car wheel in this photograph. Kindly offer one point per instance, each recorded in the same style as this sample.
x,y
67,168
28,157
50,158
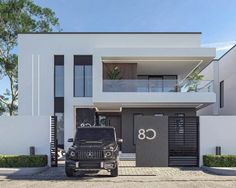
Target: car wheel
x,y
69,172
114,172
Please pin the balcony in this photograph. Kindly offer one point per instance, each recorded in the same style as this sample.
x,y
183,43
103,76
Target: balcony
x,y
157,86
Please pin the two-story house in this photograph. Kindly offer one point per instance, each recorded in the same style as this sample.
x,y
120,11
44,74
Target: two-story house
x,y
106,79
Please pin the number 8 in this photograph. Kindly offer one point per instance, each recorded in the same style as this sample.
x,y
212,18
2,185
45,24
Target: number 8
x,y
141,134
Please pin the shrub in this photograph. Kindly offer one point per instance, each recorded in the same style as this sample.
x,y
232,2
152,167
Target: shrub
x,y
219,160
23,160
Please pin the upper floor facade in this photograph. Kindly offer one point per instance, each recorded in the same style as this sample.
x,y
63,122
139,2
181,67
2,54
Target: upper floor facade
x,y
110,71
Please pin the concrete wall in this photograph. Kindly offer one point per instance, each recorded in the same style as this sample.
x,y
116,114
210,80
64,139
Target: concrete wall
x,y
128,145
217,131
18,133
211,72
227,74
36,67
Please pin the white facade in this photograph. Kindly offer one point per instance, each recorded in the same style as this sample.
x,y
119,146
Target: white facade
x,y
224,70
168,53
217,131
19,133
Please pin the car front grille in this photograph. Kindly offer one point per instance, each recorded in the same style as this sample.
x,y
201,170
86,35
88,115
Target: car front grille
x,y
90,154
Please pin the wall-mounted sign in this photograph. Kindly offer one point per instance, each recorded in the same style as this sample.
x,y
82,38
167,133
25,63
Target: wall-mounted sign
x,y
151,134
144,134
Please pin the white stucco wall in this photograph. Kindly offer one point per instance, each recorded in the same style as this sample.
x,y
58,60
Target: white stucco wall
x,y
217,131
36,65
18,133
227,67
211,72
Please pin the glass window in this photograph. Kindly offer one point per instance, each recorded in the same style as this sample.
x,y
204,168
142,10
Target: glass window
x,y
79,81
59,81
83,80
88,80
170,83
221,94
60,129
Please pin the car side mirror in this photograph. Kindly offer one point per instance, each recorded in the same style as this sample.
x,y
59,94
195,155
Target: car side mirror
x,y
70,140
119,140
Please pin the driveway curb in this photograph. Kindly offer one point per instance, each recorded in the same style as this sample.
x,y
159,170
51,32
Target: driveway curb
x,y
226,171
22,171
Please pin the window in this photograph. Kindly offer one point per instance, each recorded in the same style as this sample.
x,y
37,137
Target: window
x,y
59,81
221,94
82,76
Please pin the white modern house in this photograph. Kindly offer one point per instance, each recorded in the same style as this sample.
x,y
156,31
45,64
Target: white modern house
x,y
223,72
111,79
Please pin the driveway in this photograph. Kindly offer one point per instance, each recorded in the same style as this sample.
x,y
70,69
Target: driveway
x,y
130,176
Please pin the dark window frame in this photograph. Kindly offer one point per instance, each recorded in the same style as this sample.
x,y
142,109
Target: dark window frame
x,y
160,76
58,101
82,60
222,94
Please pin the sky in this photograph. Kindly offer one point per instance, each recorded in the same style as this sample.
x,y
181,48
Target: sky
x,y
216,19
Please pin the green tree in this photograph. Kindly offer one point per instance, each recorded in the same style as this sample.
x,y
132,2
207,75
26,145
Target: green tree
x,y
193,80
18,16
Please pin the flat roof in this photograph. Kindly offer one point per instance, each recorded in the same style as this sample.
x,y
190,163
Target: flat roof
x,y
110,33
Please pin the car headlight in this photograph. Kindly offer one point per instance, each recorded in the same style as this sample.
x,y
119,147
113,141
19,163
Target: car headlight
x,y
72,153
108,154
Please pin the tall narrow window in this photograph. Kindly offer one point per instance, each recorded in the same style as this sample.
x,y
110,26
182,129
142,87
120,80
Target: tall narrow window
x,y
59,97
82,75
59,81
221,94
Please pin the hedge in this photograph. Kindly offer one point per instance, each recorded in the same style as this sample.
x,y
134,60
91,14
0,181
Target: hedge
x,y
219,160
23,160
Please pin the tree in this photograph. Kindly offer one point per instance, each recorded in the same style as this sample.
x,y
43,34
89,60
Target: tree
x,y
193,80
18,16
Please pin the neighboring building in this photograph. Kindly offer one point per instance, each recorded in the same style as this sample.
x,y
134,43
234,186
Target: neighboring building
x,y
107,79
223,72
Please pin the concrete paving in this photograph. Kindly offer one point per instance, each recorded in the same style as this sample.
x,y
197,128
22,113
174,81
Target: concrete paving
x,y
130,176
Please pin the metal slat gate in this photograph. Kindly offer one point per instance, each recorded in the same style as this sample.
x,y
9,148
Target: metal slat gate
x,y
53,141
183,141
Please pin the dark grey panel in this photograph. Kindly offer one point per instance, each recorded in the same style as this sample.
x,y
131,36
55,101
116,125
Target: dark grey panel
x,y
58,104
152,141
111,33
58,59
128,114
83,59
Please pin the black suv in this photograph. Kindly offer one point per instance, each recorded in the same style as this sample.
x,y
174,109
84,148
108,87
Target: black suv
x,y
93,149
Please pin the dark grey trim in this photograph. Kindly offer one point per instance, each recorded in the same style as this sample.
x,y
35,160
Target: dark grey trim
x,y
59,105
58,59
83,59
222,94
58,101
110,33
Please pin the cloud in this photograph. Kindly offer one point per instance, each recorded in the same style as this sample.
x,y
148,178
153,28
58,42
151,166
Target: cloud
x,y
221,46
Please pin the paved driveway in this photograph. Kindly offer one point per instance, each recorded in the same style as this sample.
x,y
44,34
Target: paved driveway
x,y
130,176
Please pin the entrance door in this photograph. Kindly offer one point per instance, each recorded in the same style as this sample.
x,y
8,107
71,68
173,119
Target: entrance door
x,y
115,121
111,120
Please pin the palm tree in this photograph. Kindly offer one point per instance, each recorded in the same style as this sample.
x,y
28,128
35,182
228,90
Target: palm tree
x,y
193,80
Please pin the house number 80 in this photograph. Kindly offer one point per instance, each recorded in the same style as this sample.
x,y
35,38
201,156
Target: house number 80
x,y
142,134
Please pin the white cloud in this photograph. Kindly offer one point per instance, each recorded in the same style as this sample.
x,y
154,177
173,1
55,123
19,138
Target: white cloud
x,y
221,47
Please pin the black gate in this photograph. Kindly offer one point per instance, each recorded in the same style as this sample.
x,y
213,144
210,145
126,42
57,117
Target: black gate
x,y
53,141
183,141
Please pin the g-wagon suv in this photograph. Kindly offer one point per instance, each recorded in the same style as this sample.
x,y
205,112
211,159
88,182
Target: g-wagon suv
x,y
93,149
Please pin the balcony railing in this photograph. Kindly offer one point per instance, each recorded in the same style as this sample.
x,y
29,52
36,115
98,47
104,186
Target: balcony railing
x,y
157,86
